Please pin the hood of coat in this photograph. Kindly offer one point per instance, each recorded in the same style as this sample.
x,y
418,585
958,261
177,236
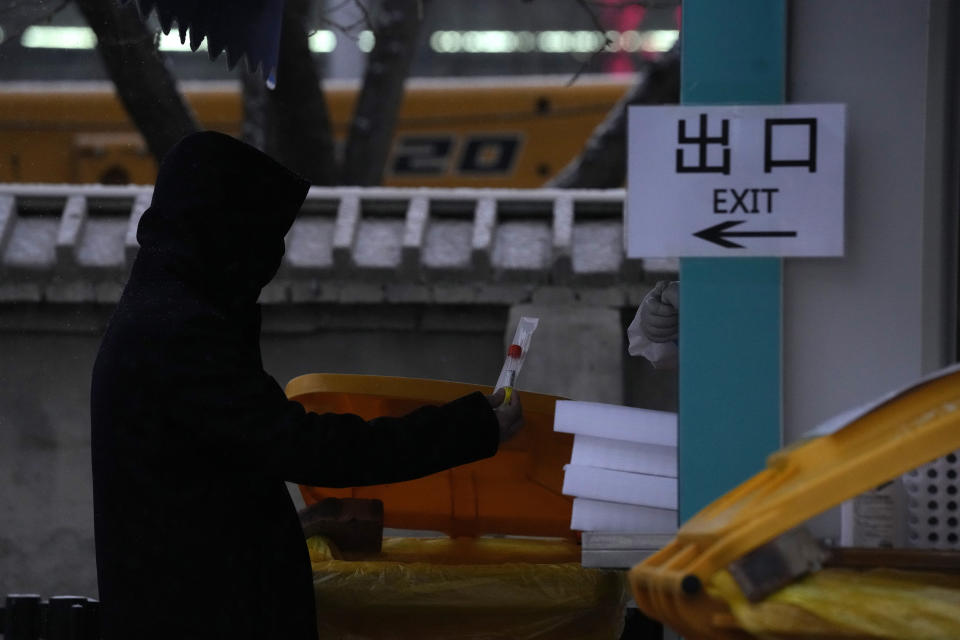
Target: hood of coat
x,y
219,214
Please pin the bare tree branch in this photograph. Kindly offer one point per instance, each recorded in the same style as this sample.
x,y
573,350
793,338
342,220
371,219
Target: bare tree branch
x,y
593,16
139,71
337,7
396,27
291,123
603,162
365,12
348,30
600,29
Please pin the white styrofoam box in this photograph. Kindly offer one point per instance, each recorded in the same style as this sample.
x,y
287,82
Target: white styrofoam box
x,y
598,515
616,422
620,455
620,486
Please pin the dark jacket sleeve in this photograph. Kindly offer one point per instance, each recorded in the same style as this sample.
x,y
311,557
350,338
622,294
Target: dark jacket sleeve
x,y
244,420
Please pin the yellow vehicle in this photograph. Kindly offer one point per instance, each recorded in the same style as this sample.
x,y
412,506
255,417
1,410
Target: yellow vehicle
x,y
465,132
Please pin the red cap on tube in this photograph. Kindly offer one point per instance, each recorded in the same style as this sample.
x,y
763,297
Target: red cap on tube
x,y
515,351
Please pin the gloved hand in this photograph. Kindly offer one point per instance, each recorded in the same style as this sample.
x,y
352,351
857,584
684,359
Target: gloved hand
x,y
654,331
659,312
509,415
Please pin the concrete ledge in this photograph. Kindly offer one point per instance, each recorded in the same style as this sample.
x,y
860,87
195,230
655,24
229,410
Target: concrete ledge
x,y
314,291
655,269
44,317
636,293
369,316
7,215
481,244
413,233
355,292
504,293
345,232
20,292
613,297
275,293
283,291
130,244
562,240
454,293
107,292
24,308
467,320
72,220
553,295
406,293
76,291
460,246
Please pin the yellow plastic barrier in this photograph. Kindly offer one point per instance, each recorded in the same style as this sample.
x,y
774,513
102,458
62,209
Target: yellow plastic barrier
x,y
904,432
500,594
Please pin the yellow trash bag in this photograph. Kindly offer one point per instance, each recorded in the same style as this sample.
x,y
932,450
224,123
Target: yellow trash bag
x,y
844,603
400,600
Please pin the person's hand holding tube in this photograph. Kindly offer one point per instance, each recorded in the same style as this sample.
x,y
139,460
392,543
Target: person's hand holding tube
x,y
509,414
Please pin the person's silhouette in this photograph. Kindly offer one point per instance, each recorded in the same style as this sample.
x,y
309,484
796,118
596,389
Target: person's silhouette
x,y
196,534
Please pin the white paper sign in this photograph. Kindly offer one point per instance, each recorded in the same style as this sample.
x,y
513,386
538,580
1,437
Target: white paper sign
x,y
735,181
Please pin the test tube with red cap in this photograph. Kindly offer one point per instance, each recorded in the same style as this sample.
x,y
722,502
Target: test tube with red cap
x,y
515,356
514,353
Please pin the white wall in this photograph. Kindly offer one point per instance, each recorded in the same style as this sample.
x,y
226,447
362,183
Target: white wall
x,y
858,326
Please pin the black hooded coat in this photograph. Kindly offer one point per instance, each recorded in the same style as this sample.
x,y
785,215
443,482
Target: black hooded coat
x,y
196,534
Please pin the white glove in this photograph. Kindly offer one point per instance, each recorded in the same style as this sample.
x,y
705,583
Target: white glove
x,y
654,331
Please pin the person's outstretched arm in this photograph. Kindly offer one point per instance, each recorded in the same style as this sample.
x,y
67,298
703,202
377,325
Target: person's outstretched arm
x,y
247,421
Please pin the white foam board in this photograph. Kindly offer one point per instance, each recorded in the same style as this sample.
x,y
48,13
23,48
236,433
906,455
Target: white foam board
x,y
620,486
620,455
616,422
597,515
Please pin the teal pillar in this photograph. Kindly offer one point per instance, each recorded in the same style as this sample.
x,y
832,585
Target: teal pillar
x,y
733,52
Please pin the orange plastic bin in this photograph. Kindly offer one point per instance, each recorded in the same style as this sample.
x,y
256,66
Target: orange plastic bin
x,y
517,492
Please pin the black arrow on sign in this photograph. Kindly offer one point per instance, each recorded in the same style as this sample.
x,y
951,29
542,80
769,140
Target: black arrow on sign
x,y
718,234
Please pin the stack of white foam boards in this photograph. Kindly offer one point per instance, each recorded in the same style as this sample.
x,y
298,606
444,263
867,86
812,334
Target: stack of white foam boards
x,y
623,477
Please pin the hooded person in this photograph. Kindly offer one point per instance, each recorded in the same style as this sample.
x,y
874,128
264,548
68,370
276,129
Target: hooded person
x,y
196,533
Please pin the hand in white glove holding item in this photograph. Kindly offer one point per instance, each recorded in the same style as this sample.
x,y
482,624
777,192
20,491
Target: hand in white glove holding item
x,y
659,312
655,329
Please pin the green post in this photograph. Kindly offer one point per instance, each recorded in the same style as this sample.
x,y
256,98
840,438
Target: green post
x,y
733,52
